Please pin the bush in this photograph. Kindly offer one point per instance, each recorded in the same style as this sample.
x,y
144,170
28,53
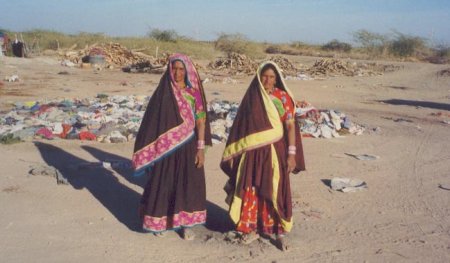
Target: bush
x,y
406,46
375,44
238,43
336,45
164,35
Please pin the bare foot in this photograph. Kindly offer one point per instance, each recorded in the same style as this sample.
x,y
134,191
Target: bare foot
x,y
282,243
187,234
249,238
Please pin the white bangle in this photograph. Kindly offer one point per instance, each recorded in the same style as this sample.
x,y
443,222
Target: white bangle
x,y
200,144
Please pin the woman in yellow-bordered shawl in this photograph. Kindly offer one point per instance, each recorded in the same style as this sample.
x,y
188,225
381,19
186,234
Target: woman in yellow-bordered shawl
x,y
263,148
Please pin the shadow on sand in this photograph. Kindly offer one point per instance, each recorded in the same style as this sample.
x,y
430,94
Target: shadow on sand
x,y
218,219
120,200
103,184
417,103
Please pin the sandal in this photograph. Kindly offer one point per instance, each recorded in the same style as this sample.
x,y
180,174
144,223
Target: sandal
x,y
248,238
187,234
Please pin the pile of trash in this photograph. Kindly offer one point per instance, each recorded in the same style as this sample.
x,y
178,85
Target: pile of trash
x,y
335,67
234,64
116,119
221,114
313,122
105,119
114,54
325,123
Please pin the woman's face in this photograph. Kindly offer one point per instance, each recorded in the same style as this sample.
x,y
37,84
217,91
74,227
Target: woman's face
x,y
179,71
268,79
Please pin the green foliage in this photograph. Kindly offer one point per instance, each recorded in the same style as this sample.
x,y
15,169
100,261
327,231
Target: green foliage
x,y
164,35
369,39
238,43
375,44
54,40
406,46
335,45
168,41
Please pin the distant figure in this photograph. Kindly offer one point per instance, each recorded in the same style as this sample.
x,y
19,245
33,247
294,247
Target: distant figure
x,y
263,148
170,150
18,48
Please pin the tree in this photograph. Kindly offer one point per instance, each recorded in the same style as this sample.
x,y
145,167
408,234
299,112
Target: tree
x,y
374,43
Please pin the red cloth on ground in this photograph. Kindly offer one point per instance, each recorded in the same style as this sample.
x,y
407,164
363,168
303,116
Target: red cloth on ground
x,y
87,136
66,130
44,132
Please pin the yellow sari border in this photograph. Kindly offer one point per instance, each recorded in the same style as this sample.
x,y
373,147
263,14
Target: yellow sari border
x,y
256,140
287,225
236,204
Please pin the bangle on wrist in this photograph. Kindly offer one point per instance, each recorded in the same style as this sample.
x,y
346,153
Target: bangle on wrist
x,y
200,144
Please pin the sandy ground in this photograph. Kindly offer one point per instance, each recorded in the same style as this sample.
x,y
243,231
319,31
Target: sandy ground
x,y
403,216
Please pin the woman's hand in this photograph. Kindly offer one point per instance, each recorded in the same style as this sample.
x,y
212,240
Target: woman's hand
x,y
291,163
200,158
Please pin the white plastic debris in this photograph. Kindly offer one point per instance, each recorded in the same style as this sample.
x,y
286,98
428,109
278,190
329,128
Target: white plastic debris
x,y
347,184
12,78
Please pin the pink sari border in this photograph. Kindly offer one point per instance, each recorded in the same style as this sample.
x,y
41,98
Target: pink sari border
x,y
182,219
176,136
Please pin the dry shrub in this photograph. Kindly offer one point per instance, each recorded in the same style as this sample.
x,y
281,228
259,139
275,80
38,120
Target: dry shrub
x,y
238,43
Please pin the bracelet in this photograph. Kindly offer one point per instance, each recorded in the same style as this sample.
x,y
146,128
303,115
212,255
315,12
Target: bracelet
x,y
200,144
292,150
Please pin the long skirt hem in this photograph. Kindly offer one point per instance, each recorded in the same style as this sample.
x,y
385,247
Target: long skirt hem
x,y
180,220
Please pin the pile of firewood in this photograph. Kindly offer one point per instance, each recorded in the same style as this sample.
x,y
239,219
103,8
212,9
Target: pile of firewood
x,y
335,67
114,54
286,65
235,63
330,67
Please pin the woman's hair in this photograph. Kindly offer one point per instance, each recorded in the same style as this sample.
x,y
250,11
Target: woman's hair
x,y
268,66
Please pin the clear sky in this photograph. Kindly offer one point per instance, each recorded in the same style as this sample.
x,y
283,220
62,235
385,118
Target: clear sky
x,y
310,21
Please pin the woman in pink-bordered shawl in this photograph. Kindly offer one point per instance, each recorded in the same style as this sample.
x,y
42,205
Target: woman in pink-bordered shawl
x,y
170,150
